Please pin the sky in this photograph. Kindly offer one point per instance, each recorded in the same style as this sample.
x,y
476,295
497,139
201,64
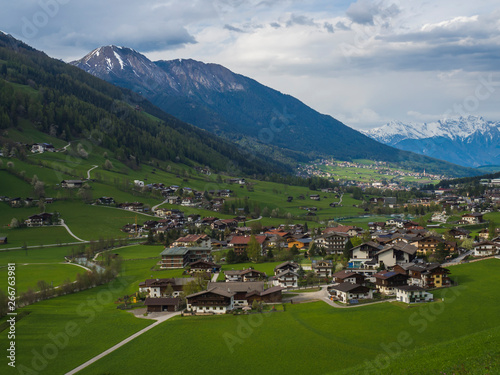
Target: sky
x,y
363,62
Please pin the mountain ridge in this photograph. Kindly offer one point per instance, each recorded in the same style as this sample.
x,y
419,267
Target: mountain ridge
x,y
242,110
470,141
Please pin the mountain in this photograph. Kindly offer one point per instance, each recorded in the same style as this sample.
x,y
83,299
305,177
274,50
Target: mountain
x,y
468,141
71,104
240,109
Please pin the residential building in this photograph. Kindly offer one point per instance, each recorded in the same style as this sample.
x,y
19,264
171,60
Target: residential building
x,y
412,294
346,292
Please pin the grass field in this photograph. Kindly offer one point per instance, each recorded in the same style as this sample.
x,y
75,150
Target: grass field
x,y
314,338
51,235
27,275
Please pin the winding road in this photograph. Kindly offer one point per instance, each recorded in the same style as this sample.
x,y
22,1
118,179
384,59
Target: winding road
x,y
88,172
70,232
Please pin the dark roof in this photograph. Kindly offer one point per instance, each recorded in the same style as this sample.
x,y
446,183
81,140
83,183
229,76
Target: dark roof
x,y
344,274
162,301
399,246
409,288
201,261
348,287
214,290
285,264
237,286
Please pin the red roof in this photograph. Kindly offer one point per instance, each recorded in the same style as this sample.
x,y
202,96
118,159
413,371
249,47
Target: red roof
x,y
244,240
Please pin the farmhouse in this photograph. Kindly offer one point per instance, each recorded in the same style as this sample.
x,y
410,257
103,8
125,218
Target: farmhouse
x,y
157,287
39,220
412,294
72,184
285,266
3,240
473,218
200,240
286,279
212,300
346,292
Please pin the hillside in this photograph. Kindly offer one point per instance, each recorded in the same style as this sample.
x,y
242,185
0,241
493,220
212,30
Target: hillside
x,y
70,104
241,109
469,141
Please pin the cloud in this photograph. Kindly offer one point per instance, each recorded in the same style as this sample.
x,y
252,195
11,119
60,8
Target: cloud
x,y
364,11
329,27
232,28
300,20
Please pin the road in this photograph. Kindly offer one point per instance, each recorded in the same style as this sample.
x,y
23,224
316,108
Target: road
x,y
70,232
160,319
88,172
159,204
458,259
322,295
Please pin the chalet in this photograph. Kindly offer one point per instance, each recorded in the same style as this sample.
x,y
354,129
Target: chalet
x,y
180,257
486,248
39,220
459,233
345,229
240,243
162,304
366,250
3,240
286,279
247,275
425,275
105,201
412,294
72,184
315,197
346,292
387,281
269,295
157,287
397,253
134,206
42,147
322,268
212,300
346,276
285,266
198,240
430,243
473,218
204,266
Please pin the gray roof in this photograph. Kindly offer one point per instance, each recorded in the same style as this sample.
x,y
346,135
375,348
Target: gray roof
x,y
347,287
237,286
214,290
181,250
401,246
409,288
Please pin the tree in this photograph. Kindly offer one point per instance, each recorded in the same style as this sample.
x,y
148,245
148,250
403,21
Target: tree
x,y
14,223
492,228
312,249
39,189
441,252
169,290
108,165
294,250
253,249
230,256
347,249
191,288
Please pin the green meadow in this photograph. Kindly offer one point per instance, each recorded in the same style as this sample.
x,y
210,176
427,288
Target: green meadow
x,y
444,336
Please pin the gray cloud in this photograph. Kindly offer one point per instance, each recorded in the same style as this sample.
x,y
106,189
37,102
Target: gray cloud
x,y
329,27
300,20
232,28
364,11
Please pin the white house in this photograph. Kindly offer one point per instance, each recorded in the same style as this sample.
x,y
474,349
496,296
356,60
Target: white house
x,y
486,248
286,279
346,292
412,294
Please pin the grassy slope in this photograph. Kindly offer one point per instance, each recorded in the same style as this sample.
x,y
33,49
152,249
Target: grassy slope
x,y
331,339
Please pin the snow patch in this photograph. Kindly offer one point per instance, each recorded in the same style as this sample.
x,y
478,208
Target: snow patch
x,y
119,59
110,64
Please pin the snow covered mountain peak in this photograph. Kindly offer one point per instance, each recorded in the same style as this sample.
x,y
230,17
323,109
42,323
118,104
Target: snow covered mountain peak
x,y
464,140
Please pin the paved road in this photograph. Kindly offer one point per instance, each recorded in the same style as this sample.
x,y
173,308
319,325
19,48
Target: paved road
x,y
159,204
322,295
214,277
458,259
70,232
160,319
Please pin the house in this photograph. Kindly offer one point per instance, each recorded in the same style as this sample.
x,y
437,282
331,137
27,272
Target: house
x,y
161,304
396,253
412,294
473,218
459,233
486,248
180,257
246,292
158,287
387,281
134,206
285,266
72,184
105,201
322,268
346,292
333,243
425,275
286,279
174,200
430,243
246,275
366,250
346,229
315,197
199,240
212,300
346,276
42,147
3,240
39,220
240,243
204,266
